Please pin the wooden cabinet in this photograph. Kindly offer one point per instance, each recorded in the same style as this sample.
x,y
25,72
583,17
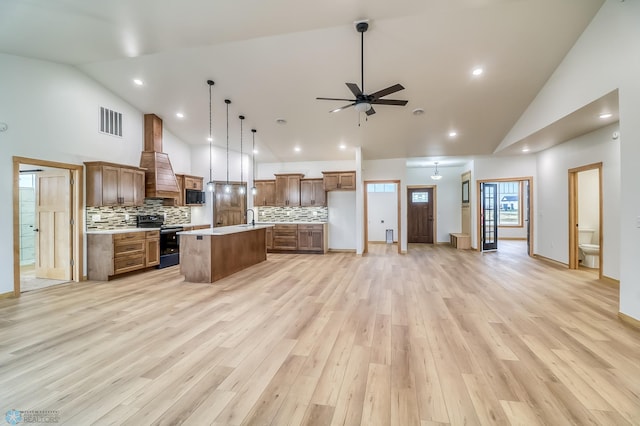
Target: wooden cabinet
x,y
288,190
285,237
112,254
311,238
312,193
269,238
111,184
265,193
339,181
152,248
193,182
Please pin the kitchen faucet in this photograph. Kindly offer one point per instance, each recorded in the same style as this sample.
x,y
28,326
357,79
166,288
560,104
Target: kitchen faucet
x,y
253,216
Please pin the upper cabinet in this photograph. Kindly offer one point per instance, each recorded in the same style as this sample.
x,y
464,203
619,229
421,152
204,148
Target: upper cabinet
x,y
288,189
339,181
312,193
265,193
185,182
111,184
193,182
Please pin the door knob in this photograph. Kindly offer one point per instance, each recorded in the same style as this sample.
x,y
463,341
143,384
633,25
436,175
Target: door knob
x,y
36,230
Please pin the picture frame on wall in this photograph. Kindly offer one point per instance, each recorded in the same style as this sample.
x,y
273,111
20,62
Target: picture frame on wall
x,y
465,192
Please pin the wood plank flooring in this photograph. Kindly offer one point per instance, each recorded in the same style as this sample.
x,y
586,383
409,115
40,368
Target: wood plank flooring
x,y
437,336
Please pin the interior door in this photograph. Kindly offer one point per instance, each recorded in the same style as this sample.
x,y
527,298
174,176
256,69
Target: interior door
x,y
53,225
230,207
420,215
489,216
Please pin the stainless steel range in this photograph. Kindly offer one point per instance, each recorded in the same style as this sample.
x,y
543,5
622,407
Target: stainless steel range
x,y
169,240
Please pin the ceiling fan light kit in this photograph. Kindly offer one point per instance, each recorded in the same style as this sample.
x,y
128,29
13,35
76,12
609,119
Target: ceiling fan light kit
x,y
364,102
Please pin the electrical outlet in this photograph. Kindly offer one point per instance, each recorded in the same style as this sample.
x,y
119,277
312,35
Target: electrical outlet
x,y
96,218
315,213
126,217
288,213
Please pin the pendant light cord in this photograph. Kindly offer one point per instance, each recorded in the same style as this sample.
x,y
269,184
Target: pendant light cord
x,y
253,155
210,83
227,101
241,159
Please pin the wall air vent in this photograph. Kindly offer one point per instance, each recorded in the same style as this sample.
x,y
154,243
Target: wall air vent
x,y
110,122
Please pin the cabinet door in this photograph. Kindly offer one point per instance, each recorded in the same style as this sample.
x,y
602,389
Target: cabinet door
x,y
110,186
269,188
192,182
307,191
152,252
311,238
131,187
293,191
347,181
319,195
304,239
269,238
282,191
316,237
331,181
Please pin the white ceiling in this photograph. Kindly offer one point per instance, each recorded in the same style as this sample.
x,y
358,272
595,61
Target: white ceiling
x,y
273,58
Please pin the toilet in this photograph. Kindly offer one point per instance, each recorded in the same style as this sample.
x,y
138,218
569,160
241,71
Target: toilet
x,y
588,253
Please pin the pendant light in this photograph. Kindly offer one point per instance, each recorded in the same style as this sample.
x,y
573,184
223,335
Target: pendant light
x,y
254,190
436,175
210,185
242,186
227,187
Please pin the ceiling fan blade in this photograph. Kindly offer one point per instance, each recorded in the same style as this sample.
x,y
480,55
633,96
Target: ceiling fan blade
x,y
389,102
336,99
354,89
341,108
371,111
389,90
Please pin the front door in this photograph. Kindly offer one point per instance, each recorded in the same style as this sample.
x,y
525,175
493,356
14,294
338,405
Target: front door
x,y
53,225
489,216
420,215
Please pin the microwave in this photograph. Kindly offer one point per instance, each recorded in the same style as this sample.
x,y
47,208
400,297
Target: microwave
x,y
193,196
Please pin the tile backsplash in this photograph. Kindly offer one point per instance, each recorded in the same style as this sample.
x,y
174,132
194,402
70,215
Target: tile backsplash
x,y
292,214
125,217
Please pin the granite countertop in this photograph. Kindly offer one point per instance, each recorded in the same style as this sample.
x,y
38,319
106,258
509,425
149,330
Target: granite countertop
x,y
124,230
226,230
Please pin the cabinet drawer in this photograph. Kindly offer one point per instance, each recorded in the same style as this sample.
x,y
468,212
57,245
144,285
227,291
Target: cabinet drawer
x,y
310,227
129,236
152,234
128,247
128,263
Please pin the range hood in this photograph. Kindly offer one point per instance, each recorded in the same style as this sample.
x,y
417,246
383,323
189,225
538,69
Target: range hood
x,y
160,181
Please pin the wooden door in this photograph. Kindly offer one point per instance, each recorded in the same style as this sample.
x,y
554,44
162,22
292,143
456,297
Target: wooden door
x,y
110,186
319,195
489,216
293,191
53,225
306,192
420,215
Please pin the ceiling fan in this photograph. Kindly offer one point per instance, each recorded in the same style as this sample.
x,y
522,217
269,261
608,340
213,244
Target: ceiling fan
x,y
363,102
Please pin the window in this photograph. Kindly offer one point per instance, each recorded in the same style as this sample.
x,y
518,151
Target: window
x,y
419,197
381,187
509,212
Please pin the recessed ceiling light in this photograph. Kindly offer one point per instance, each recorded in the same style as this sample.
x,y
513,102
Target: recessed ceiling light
x,y
179,115
343,146
606,115
209,139
477,71
138,81
255,151
453,134
525,149
281,121
417,111
296,149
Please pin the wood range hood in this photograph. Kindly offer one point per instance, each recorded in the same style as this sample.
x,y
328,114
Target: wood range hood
x,y
160,181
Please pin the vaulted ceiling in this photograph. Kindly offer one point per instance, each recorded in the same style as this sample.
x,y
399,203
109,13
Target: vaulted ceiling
x,y
273,58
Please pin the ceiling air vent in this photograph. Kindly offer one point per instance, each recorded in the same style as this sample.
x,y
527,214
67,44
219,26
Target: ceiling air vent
x,y
110,122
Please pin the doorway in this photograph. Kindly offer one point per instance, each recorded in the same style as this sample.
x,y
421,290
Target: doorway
x,y
585,217
504,213
369,205
47,229
421,224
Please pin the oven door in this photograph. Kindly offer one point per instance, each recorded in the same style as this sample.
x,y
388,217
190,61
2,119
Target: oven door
x,y
169,241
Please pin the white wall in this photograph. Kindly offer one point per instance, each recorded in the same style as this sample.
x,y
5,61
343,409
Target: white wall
x,y
589,202
52,112
342,220
552,211
603,59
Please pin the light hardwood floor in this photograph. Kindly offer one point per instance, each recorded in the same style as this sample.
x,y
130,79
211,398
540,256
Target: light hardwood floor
x,y
436,336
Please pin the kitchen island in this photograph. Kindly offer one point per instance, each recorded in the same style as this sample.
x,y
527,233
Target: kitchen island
x,y
208,255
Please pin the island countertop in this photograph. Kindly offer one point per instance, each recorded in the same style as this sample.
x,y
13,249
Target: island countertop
x,y
226,230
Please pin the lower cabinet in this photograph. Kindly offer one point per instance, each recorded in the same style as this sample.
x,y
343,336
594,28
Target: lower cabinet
x,y
113,254
298,238
285,237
